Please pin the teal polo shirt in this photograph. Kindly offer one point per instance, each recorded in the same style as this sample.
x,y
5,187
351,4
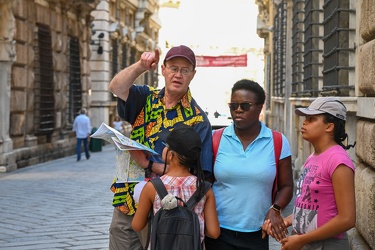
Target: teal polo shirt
x,y
244,179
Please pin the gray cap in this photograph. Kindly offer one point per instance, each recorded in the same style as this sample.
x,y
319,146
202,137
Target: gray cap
x,y
321,105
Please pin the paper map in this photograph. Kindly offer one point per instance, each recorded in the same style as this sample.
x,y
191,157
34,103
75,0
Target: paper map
x,y
127,169
122,142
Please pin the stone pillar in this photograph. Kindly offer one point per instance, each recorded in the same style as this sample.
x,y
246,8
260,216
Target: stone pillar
x,y
100,67
288,128
7,56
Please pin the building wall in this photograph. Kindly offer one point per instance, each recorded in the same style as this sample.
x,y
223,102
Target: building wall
x,y
23,140
304,52
129,28
365,149
88,43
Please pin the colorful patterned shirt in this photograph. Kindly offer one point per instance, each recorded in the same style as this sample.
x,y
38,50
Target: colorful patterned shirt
x,y
145,110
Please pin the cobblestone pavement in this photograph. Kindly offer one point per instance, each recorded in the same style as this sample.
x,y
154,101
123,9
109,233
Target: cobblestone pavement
x,y
60,204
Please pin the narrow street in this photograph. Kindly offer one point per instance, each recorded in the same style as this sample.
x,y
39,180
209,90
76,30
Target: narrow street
x,y
61,204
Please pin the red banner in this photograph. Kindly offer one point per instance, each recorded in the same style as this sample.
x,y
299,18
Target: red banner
x,y
222,61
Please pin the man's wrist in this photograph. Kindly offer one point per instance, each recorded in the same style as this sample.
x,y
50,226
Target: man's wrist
x,y
276,207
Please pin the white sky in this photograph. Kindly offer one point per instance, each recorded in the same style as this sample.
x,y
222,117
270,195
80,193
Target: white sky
x,y
212,27
205,23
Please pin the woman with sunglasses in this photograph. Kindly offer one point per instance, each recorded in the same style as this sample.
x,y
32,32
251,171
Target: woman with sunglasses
x,y
245,171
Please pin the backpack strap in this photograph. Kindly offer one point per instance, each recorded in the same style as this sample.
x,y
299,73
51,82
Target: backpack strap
x,y
160,188
277,145
162,192
193,201
216,137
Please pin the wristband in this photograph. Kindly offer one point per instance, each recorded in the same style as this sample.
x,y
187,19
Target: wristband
x,y
149,167
276,207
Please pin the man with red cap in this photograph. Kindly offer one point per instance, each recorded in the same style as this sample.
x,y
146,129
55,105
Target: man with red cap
x,y
153,114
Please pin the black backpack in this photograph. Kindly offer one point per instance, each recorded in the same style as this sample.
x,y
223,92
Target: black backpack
x,y
177,228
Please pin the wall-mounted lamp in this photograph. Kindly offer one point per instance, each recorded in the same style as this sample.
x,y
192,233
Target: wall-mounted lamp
x,y
99,42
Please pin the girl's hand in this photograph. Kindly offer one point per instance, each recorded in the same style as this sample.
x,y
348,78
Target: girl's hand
x,y
266,228
291,243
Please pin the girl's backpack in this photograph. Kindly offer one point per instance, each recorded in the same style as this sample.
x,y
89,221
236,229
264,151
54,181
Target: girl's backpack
x,y
177,228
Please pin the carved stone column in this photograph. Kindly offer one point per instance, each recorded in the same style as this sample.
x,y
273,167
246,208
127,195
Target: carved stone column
x,y
7,56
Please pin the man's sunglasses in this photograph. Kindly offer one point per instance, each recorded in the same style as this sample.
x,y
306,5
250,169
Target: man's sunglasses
x,y
245,106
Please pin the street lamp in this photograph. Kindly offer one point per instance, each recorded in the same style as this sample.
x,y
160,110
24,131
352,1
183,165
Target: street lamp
x,y
99,42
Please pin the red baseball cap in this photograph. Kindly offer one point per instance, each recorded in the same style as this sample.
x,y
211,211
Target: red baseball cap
x,y
181,51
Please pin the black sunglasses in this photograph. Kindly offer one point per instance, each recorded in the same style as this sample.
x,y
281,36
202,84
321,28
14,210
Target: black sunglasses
x,y
245,106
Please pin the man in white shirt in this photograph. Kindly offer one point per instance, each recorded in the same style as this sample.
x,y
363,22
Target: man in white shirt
x,y
82,127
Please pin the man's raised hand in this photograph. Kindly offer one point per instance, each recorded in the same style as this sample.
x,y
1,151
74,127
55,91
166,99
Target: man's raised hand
x,y
150,60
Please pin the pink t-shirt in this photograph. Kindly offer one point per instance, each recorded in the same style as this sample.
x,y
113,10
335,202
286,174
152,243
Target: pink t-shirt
x,y
315,202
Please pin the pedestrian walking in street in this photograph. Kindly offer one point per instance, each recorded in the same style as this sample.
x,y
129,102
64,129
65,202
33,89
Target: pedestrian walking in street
x,y
117,124
324,207
153,113
251,183
182,154
82,127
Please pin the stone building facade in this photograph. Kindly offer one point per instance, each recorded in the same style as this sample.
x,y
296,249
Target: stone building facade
x,y
44,78
58,56
325,48
128,28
